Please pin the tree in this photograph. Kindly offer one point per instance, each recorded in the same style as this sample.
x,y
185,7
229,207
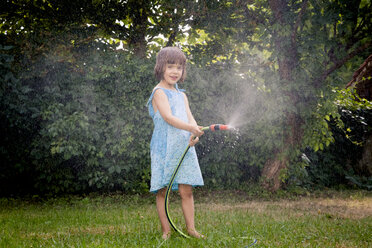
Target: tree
x,y
344,27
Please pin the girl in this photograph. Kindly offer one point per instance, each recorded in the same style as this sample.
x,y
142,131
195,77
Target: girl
x,y
173,123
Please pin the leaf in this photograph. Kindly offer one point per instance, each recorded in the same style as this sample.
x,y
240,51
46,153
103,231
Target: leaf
x,y
316,147
111,169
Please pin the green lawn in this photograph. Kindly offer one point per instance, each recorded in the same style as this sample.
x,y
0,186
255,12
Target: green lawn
x,y
228,219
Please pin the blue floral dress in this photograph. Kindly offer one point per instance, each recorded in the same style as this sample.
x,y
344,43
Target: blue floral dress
x,y
169,143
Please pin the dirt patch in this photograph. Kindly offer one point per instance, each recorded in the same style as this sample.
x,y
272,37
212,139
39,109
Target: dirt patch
x,y
342,208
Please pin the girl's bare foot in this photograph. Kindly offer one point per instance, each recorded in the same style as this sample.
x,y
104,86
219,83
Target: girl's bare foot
x,y
195,234
166,235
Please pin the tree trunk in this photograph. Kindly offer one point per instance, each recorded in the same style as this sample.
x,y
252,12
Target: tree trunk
x,y
292,137
137,40
365,164
271,173
292,132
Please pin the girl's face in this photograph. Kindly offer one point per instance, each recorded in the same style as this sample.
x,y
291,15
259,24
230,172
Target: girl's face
x,y
172,73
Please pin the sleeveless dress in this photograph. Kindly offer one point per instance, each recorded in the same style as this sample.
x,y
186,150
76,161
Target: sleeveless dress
x,y
168,145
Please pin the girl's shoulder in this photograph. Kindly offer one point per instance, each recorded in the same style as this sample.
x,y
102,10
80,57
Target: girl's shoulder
x,y
160,91
156,91
166,91
158,87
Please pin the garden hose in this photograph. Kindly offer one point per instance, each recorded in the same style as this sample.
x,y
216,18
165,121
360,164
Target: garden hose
x,y
214,127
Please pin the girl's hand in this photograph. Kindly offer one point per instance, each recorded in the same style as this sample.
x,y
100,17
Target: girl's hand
x,y
196,131
193,140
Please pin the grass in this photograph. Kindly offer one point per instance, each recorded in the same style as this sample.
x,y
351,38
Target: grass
x,y
227,218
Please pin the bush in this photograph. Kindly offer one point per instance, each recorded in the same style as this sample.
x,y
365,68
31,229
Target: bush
x,y
337,164
79,123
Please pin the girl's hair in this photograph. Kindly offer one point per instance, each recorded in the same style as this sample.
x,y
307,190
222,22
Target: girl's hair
x,y
169,55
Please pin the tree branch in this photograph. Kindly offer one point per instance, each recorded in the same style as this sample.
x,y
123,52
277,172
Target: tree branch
x,y
337,64
299,19
172,37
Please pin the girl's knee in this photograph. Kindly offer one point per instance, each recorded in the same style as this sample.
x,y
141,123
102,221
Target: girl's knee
x,y
185,191
161,192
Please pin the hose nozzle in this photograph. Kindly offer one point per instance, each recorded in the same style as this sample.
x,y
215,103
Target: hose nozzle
x,y
217,127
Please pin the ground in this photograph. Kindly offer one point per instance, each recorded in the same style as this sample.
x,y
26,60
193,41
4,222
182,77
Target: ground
x,y
227,218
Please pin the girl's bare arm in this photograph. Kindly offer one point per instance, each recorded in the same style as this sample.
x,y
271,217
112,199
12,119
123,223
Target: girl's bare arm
x,y
161,104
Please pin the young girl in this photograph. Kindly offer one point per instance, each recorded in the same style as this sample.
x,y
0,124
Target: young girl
x,y
174,129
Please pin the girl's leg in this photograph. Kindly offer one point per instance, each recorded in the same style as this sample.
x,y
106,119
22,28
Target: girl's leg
x,y
187,201
160,206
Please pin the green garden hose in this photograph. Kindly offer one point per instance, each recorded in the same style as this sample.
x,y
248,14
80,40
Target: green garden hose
x,y
169,188
168,191
214,127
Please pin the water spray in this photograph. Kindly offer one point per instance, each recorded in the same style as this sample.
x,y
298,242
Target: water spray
x,y
213,127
